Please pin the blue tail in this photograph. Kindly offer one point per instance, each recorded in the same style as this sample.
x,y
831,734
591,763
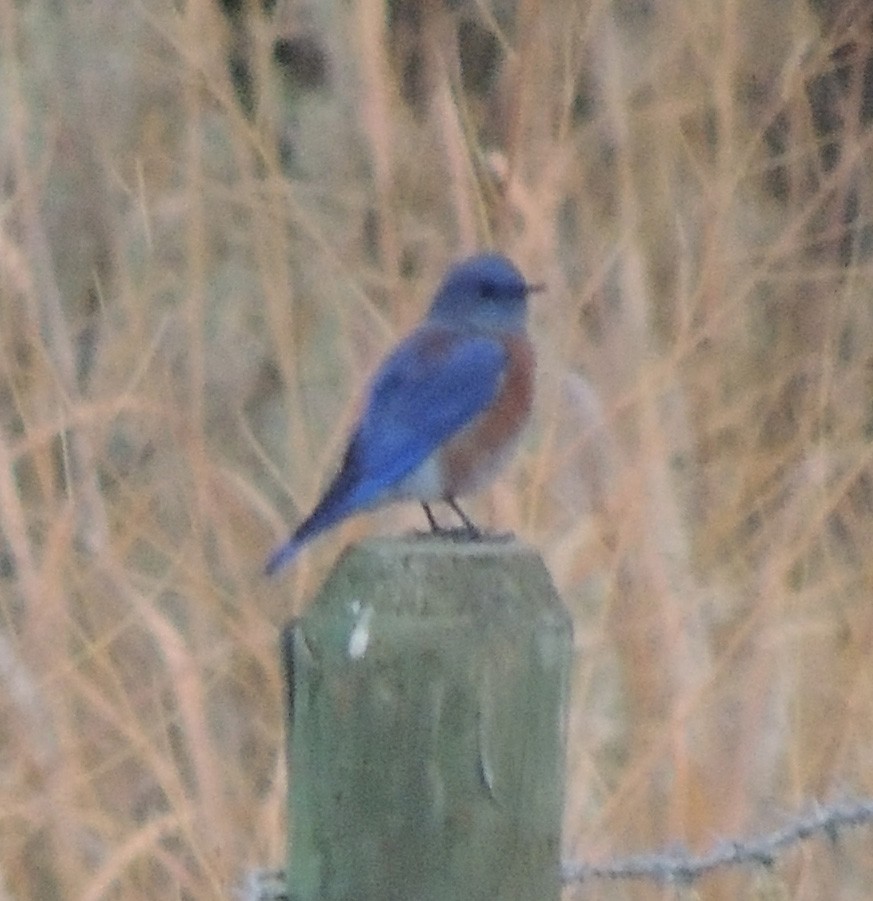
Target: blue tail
x,y
347,494
322,517
328,513
282,556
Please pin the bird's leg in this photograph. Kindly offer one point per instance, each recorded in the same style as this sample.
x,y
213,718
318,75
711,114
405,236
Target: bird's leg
x,y
469,531
473,531
435,527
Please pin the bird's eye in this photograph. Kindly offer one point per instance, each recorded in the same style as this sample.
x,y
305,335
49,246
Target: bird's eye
x,y
488,290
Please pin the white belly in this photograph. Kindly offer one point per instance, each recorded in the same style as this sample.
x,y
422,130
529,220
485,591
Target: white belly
x,y
423,484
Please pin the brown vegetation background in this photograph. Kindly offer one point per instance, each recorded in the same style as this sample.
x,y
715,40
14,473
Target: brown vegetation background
x,y
214,219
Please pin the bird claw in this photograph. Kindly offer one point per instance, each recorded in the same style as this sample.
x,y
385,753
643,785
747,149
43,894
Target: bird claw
x,y
462,535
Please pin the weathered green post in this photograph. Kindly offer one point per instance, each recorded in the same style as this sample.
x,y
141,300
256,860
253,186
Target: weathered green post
x,y
427,695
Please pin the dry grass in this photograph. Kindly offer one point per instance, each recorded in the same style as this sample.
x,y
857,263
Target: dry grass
x,y
190,296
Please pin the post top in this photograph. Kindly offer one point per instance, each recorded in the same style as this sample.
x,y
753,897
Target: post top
x,y
434,545
434,576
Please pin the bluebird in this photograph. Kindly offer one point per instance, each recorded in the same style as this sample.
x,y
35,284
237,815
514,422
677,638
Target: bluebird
x,y
444,410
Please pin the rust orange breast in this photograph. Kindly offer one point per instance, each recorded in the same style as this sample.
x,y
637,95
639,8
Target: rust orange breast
x,y
473,456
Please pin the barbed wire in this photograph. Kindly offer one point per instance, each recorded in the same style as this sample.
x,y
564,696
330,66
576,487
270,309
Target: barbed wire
x,y
675,865
680,866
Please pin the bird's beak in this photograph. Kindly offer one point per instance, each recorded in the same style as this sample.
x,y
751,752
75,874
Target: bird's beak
x,y
535,289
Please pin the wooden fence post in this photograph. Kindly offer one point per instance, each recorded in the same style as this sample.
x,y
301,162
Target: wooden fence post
x,y
427,699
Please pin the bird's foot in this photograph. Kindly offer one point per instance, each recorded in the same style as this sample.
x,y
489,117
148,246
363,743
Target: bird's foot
x,y
440,533
463,535
468,532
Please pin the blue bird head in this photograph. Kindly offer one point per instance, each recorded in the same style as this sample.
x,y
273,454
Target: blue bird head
x,y
485,291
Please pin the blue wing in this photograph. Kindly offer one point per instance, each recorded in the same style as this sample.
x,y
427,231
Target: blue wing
x,y
428,389
433,384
